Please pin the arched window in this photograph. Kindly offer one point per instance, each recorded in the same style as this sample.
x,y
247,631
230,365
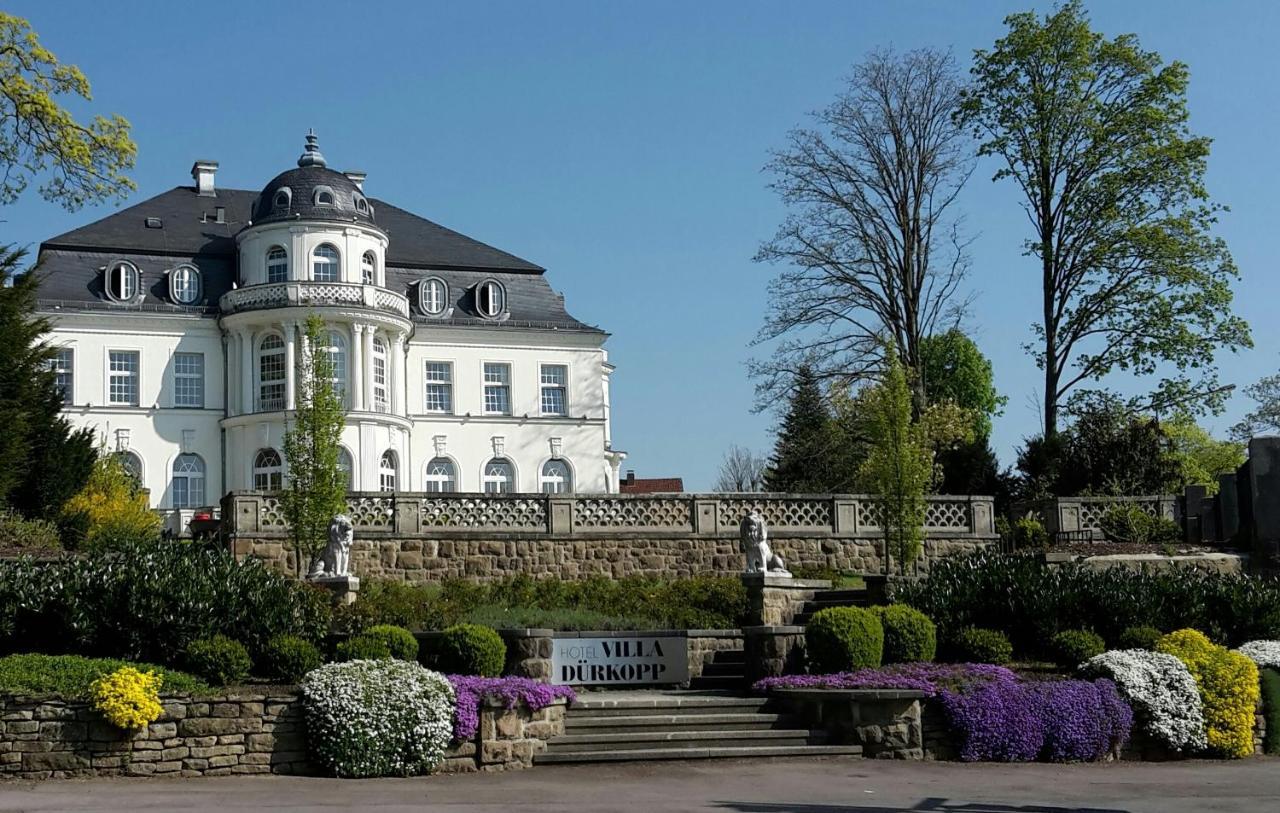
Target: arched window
x,y
325,264
184,285
433,294
336,347
380,403
324,196
188,481
122,282
277,264
268,471
556,478
284,196
368,266
441,475
133,465
362,205
499,476
345,466
491,299
271,374
387,471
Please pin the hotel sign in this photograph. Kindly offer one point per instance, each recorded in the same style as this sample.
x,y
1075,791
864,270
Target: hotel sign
x,y
615,661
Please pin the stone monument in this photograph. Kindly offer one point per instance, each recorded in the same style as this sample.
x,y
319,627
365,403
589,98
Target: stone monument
x,y
753,540
332,569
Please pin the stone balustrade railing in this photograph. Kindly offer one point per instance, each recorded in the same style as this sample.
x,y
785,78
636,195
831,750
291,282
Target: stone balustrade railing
x,y
310,293
585,515
1069,516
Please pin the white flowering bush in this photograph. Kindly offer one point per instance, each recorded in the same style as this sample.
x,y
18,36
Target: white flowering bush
x,y
377,717
1162,692
1263,653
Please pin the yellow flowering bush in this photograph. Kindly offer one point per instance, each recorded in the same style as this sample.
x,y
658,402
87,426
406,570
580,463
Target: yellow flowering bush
x,y
128,698
111,507
1228,684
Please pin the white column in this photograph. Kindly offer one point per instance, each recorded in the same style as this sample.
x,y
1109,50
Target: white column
x,y
397,375
367,380
357,367
246,372
290,364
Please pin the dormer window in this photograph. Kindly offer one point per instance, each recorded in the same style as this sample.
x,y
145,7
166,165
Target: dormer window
x,y
433,295
122,282
362,205
491,299
184,284
324,196
284,196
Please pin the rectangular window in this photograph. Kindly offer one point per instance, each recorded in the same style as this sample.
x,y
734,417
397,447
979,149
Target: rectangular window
x,y
188,380
497,389
439,393
63,365
122,387
554,379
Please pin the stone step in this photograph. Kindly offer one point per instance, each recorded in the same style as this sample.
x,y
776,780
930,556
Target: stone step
x,y
747,751
575,724
850,595
687,739
716,669
688,702
737,681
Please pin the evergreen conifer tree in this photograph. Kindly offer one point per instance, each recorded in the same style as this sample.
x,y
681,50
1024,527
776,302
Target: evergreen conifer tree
x,y
802,459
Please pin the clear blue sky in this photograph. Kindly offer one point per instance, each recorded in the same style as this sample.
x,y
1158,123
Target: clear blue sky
x,y
620,146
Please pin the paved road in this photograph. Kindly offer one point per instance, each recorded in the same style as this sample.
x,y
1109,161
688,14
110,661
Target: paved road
x,y
765,786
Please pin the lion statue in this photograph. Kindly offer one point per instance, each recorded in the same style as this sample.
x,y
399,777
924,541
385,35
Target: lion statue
x,y
336,559
753,540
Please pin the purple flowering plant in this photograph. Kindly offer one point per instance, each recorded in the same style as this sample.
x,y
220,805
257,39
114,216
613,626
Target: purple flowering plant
x,y
930,678
509,691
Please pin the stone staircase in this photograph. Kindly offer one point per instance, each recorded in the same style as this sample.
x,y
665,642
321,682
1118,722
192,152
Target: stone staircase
x,y
655,725
726,671
847,597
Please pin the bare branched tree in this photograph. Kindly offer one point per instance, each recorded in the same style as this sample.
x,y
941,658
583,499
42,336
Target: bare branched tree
x,y
872,249
742,470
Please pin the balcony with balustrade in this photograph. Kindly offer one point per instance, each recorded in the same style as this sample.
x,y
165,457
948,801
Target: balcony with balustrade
x,y
309,294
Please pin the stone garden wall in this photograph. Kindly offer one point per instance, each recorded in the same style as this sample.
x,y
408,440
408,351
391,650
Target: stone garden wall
x,y
425,538
243,733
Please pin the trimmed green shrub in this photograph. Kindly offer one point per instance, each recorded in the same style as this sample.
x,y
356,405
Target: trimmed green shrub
x,y
383,601
400,642
1139,638
362,648
909,635
288,658
1127,523
981,645
220,660
1270,682
1071,648
71,675
470,649
16,531
842,639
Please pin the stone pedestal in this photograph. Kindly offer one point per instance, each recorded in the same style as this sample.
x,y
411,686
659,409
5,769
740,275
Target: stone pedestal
x,y
772,651
775,600
343,589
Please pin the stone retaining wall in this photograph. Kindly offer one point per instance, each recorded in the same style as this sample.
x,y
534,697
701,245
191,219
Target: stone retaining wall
x,y
242,733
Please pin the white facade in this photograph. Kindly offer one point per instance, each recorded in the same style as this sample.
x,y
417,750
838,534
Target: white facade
x,y
436,399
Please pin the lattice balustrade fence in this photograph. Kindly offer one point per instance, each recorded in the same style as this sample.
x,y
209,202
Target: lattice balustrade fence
x,y
513,513
663,513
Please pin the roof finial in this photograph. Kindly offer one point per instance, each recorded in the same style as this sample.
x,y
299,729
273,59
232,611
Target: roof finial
x,y
311,156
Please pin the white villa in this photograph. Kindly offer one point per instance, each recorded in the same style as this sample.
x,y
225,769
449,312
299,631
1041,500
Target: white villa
x,y
179,320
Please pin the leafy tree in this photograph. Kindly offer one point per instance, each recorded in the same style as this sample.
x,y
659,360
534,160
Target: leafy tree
x,y
804,456
870,243
1265,417
741,470
43,461
1094,133
1199,457
85,163
955,370
110,509
900,465
315,488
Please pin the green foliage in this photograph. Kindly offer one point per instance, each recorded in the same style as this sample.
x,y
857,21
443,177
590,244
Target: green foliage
x,y
470,649
1032,602
909,635
111,511
1139,638
1265,417
316,488
288,658
21,533
362,647
839,578
1094,134
147,602
400,642
1198,456
899,466
980,645
1023,533
1270,683
1070,648
1127,523
955,370
804,458
71,675
220,660
843,639
566,619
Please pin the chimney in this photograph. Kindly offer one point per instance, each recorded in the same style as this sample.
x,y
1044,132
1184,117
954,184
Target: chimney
x,y
356,177
219,214
631,477
202,172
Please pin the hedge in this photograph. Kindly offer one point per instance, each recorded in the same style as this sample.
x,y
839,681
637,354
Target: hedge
x,y
843,639
909,635
72,675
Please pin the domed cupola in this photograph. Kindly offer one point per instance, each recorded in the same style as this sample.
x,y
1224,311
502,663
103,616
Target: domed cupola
x,y
312,192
